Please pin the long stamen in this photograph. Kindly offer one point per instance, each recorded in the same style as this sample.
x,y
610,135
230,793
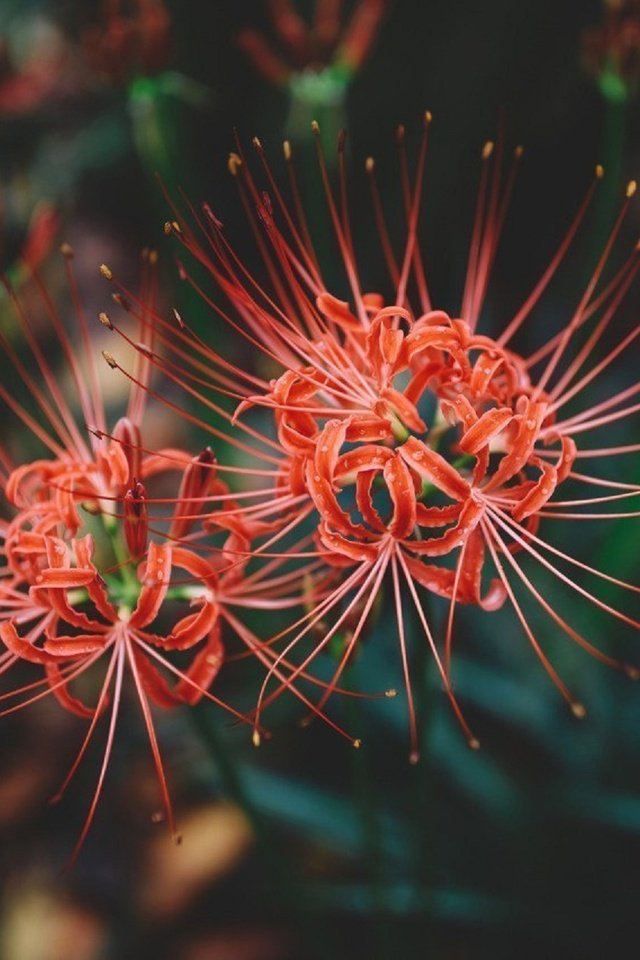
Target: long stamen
x,y
102,700
566,627
551,270
577,708
575,320
153,741
473,742
115,709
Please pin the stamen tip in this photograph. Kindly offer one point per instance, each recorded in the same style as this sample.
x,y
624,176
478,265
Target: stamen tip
x,y
286,149
428,117
106,272
599,171
414,758
233,164
632,672
519,150
67,251
357,743
369,164
257,143
121,301
104,320
474,743
487,149
391,693
632,186
256,738
111,360
153,257
315,126
578,710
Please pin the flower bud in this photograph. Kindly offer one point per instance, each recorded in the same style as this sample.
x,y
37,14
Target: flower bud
x,y
128,436
136,520
197,481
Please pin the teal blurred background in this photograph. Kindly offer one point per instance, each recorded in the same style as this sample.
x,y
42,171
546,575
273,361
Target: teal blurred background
x,y
528,848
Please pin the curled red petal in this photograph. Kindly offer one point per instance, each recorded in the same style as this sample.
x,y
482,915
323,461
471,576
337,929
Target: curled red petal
x,y
352,549
470,515
433,468
192,628
539,494
63,695
203,670
22,648
155,575
490,424
402,492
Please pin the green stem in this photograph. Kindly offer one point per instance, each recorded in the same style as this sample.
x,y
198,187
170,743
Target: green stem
x,y
129,579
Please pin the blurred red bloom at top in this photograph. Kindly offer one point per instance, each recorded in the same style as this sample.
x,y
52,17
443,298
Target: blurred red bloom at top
x,y
419,447
133,40
325,43
612,50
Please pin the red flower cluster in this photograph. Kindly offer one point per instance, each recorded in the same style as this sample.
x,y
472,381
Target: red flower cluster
x,y
391,446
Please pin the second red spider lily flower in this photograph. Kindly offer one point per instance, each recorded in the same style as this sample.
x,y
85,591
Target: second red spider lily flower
x,y
90,581
426,452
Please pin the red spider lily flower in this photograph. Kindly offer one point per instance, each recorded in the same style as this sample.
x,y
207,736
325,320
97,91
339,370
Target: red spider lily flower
x,y
423,451
129,43
324,44
69,598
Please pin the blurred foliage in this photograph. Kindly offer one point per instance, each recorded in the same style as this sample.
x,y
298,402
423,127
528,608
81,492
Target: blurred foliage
x,y
529,847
